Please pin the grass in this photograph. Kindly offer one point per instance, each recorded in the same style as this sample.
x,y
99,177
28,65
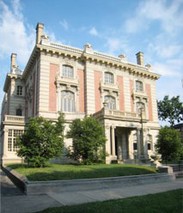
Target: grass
x,y
67,172
166,202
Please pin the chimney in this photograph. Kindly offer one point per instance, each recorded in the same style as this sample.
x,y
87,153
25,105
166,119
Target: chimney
x,y
140,58
39,32
13,61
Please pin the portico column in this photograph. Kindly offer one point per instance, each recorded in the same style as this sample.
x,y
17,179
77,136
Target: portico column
x,y
138,143
113,140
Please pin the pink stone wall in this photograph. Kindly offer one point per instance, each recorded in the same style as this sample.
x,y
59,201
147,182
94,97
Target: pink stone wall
x,y
148,92
54,68
121,93
131,92
81,91
97,78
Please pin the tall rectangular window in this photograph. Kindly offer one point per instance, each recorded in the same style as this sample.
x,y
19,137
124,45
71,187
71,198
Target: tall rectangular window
x,y
13,134
135,142
139,86
19,90
67,101
110,102
109,78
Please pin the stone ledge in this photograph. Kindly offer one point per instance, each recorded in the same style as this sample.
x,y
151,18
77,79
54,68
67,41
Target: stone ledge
x,y
43,187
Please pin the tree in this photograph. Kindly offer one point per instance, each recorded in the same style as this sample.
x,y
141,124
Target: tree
x,y
42,140
169,144
88,140
170,109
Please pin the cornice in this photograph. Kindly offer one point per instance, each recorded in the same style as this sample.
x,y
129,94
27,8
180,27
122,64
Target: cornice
x,y
30,61
10,76
91,57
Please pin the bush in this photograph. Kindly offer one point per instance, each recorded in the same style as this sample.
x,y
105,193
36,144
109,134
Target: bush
x,y
88,141
169,144
41,141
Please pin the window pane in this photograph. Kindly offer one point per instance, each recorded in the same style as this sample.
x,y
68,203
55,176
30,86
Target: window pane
x,y
110,102
139,86
109,78
10,132
10,144
19,90
67,101
67,71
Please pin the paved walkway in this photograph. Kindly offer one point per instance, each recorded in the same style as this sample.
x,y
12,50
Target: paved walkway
x,y
14,201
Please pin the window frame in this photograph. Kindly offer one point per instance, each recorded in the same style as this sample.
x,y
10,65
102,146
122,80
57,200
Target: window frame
x,y
108,78
109,102
68,103
19,90
139,86
149,142
67,71
13,134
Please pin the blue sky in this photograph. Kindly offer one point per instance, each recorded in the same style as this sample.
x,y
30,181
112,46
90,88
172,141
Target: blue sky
x,y
154,27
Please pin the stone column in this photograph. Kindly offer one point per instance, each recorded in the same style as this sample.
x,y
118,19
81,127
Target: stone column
x,y
108,143
145,144
113,140
138,143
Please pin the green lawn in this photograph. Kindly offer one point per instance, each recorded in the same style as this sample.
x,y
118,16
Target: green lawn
x,y
66,172
166,202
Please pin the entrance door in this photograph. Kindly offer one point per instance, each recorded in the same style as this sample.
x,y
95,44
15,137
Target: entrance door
x,y
122,143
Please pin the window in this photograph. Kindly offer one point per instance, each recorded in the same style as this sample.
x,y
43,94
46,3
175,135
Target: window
x,y
67,71
135,142
67,101
110,102
149,142
109,78
19,112
19,90
139,86
13,134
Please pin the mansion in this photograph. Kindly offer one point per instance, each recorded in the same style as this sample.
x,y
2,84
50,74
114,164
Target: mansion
x,y
81,82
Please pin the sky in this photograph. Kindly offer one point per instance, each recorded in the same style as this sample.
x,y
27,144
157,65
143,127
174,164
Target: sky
x,y
115,27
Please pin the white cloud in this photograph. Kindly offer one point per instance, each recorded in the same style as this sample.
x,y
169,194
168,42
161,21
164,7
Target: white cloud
x,y
64,24
165,49
14,35
167,69
113,44
93,31
168,13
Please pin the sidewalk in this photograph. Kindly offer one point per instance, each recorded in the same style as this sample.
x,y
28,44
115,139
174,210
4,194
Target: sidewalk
x,y
14,201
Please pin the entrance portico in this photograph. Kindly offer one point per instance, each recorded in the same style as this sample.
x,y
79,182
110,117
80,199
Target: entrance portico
x,y
119,144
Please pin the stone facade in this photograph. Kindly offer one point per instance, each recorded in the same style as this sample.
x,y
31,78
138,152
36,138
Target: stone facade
x,y
81,82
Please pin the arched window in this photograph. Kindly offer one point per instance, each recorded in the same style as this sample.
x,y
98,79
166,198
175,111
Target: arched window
x,y
19,112
19,90
139,86
67,71
109,78
110,102
67,101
